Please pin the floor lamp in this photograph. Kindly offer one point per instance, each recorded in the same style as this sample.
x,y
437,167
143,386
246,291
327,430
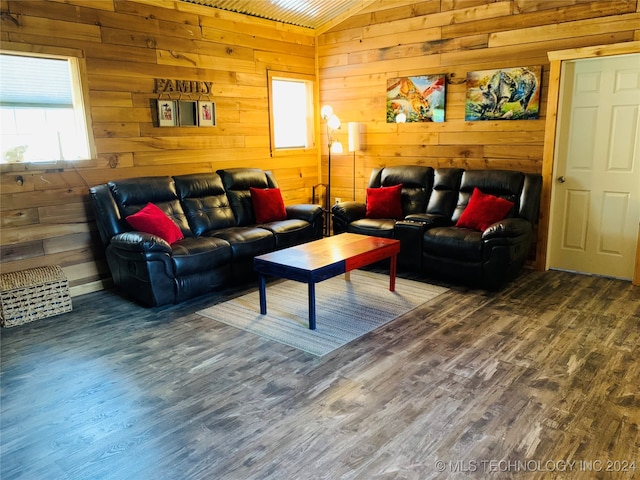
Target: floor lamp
x,y
333,124
354,146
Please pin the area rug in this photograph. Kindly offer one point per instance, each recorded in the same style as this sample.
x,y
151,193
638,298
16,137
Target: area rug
x,y
345,310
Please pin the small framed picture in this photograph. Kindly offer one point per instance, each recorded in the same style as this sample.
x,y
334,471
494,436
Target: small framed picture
x,y
206,114
188,113
167,113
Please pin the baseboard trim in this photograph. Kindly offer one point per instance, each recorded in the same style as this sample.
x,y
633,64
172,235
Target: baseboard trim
x,y
90,287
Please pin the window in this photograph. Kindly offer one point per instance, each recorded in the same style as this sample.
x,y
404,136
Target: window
x,y
291,109
41,110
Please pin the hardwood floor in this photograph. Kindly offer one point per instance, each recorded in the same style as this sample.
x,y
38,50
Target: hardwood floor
x,y
514,384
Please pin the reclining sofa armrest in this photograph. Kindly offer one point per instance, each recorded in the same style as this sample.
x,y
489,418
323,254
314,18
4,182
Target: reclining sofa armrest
x,y
507,228
314,214
349,211
106,212
346,212
304,211
140,242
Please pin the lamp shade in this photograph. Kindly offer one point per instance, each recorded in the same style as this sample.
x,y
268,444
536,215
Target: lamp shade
x,y
354,136
333,122
326,111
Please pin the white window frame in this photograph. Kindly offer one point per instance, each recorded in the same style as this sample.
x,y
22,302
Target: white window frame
x,y
80,95
274,122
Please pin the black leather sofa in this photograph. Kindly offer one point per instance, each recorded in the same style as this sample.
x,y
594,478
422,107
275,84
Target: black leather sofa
x,y
432,202
215,213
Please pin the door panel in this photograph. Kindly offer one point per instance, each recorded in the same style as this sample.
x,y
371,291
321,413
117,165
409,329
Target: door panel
x,y
576,220
624,127
615,207
583,137
596,200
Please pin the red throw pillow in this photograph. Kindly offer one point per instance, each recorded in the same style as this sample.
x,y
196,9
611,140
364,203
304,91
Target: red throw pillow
x,y
150,219
385,202
268,204
483,210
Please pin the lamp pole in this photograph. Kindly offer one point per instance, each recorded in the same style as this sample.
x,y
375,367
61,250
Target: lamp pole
x,y
333,124
329,192
354,145
328,232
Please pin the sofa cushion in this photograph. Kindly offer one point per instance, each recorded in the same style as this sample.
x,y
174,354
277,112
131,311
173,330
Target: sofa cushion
x,y
416,180
132,194
384,202
376,227
237,183
205,202
197,254
268,205
500,183
483,210
444,197
462,244
150,219
246,242
289,232
208,213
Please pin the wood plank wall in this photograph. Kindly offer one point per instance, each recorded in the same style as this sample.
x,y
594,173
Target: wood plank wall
x,y
125,45
399,38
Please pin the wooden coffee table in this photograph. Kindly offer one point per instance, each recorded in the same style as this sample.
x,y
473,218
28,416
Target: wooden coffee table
x,y
319,260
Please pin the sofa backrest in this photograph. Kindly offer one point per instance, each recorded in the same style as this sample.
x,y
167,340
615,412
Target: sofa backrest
x,y
500,183
204,202
446,191
196,202
416,180
114,201
237,183
444,197
530,197
133,194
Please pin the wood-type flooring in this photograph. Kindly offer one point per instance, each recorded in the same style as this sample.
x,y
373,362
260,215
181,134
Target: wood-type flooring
x,y
539,380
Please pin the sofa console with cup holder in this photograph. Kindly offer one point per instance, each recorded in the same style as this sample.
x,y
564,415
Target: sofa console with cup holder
x,y
469,226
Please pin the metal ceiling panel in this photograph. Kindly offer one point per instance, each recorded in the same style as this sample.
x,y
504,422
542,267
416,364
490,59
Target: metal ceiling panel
x,y
304,13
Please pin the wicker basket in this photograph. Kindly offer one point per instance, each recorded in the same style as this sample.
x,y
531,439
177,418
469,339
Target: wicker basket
x,y
33,294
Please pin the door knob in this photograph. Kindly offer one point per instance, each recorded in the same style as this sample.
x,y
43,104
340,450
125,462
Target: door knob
x,y
561,179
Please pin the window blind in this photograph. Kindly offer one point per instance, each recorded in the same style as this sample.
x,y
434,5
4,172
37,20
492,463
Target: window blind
x,y
35,82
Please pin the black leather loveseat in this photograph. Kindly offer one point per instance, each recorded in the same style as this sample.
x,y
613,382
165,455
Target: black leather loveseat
x,y
433,238
215,215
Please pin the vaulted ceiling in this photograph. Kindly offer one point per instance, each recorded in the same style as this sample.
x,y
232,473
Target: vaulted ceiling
x,y
319,15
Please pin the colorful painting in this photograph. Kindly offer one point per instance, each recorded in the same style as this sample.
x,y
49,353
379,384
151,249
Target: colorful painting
x,y
506,94
416,99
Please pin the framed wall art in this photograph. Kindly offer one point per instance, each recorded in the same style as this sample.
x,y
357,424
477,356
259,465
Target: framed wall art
x,y
188,113
504,94
167,114
416,99
206,114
